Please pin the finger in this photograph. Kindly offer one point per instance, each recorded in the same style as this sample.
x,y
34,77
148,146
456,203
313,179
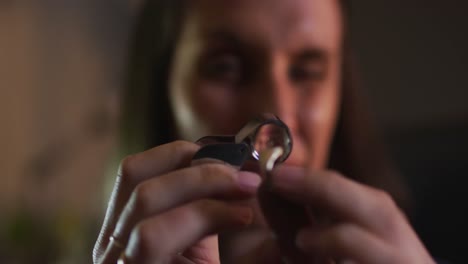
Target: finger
x,y
157,195
160,237
341,197
132,171
158,160
181,260
344,242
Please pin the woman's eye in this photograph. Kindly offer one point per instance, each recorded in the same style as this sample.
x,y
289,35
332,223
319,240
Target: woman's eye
x,y
224,68
307,72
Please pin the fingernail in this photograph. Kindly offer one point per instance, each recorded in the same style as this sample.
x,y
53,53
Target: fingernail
x,y
248,181
243,214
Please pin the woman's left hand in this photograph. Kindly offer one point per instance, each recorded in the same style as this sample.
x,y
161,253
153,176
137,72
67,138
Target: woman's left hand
x,y
367,226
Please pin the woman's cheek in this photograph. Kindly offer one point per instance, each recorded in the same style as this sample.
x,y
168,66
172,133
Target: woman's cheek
x,y
316,126
216,105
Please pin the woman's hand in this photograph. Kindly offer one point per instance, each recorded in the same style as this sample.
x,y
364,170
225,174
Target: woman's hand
x,y
366,225
162,210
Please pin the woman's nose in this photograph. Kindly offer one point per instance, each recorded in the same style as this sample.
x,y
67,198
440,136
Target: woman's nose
x,y
275,92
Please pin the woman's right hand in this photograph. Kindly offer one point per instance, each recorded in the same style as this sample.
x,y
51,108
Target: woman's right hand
x,y
162,210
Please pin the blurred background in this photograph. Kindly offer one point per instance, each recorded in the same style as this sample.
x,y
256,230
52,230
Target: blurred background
x,y
62,63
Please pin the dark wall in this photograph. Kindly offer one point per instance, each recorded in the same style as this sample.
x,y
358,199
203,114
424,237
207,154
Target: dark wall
x,y
413,56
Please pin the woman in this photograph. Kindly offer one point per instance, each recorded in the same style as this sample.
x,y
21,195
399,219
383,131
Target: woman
x,y
206,67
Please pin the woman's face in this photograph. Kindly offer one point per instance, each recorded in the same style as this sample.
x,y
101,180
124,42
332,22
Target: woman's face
x,y
237,59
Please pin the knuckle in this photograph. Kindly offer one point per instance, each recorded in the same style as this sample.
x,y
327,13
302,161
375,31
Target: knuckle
x,y
143,241
385,201
387,211
139,199
344,234
126,168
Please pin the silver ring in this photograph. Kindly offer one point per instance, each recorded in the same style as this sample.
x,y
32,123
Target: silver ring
x,y
116,242
264,131
123,259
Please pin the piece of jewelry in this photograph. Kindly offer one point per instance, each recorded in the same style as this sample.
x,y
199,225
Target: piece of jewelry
x,y
116,242
123,259
261,133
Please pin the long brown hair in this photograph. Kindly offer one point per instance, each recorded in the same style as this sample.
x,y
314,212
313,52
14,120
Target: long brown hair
x,y
147,119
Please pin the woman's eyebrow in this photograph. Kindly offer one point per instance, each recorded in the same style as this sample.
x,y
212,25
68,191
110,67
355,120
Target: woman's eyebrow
x,y
222,36
224,39
312,54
